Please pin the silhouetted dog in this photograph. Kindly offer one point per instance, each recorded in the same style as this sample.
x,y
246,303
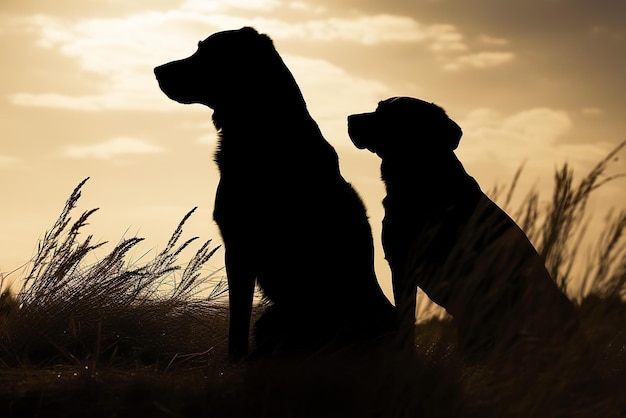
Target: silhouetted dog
x,y
288,218
442,233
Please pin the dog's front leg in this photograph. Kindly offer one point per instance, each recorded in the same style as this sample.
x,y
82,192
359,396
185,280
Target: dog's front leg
x,y
405,294
241,279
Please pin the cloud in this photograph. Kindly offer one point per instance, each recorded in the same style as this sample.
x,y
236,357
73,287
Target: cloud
x,y
8,161
363,29
480,60
537,126
358,28
489,40
210,6
445,38
122,52
113,100
538,138
329,89
607,32
111,148
306,7
100,45
592,111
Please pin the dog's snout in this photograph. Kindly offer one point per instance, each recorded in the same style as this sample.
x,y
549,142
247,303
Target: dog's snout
x,y
160,73
360,128
175,82
157,71
352,122
168,71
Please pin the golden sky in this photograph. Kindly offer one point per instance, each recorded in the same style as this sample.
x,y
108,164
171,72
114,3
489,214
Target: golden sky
x,y
538,81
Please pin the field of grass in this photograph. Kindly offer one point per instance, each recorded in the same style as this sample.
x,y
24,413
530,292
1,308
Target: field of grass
x,y
113,338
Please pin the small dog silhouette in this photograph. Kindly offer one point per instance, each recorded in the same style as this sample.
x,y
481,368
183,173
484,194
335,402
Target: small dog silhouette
x,y
288,219
443,234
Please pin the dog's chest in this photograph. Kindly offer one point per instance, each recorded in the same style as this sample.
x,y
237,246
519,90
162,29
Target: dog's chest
x,y
255,193
418,201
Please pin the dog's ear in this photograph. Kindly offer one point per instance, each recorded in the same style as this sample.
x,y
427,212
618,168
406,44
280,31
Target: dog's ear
x,y
447,132
408,115
451,134
249,30
256,37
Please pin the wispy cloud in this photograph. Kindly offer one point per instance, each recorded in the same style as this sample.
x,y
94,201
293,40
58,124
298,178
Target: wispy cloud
x,y
541,126
143,40
480,60
446,38
369,30
490,40
330,89
7,161
88,103
592,111
111,148
357,28
100,45
210,6
601,31
306,7
493,142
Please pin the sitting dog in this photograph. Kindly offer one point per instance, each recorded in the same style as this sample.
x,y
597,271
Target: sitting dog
x,y
443,234
289,220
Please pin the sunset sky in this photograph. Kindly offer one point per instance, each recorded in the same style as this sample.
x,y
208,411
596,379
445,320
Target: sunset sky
x,y
538,82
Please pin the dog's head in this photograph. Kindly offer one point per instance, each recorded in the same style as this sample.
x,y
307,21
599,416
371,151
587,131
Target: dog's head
x,y
404,125
229,69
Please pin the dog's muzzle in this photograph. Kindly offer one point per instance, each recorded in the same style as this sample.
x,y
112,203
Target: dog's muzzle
x,y
362,128
172,83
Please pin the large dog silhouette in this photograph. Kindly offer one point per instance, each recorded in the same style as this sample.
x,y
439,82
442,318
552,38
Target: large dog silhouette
x,y
288,219
443,234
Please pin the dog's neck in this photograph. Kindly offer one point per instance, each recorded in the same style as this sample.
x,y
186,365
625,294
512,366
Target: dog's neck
x,y
442,176
283,138
275,110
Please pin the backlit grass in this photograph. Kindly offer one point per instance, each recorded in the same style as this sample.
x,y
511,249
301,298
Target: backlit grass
x,y
109,338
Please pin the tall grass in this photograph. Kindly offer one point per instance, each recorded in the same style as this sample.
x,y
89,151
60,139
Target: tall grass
x,y
558,228
111,338
68,310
